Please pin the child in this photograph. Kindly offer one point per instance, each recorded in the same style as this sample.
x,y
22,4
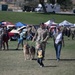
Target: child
x,y
40,57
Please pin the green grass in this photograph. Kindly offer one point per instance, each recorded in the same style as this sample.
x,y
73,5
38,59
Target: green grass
x,y
12,61
34,18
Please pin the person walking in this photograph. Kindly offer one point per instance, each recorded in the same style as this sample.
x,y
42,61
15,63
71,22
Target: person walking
x,y
58,41
41,36
1,36
5,38
40,58
20,39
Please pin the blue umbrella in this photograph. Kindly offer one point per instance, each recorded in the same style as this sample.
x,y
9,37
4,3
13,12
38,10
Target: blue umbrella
x,y
19,24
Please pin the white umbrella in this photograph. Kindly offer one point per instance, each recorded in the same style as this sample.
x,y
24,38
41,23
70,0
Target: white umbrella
x,y
23,27
14,31
8,26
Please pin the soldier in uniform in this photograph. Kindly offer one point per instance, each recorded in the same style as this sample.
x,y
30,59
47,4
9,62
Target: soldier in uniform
x,y
41,37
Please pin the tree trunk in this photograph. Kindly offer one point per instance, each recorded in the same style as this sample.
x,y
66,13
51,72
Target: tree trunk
x,y
43,6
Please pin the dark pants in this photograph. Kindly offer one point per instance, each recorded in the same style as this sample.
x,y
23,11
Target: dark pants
x,y
0,44
40,61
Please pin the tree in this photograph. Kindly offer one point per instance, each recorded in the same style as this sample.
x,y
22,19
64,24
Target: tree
x,y
42,3
29,5
65,4
51,1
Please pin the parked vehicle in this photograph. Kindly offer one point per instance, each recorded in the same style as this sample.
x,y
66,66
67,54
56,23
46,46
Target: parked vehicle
x,y
74,10
14,34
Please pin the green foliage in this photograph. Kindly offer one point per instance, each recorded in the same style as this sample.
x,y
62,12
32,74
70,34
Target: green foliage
x,y
51,1
65,4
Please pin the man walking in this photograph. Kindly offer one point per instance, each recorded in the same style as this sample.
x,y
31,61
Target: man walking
x,y
41,37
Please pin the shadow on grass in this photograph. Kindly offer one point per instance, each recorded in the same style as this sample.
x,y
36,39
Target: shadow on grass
x,y
67,59
50,59
12,50
62,59
52,13
50,66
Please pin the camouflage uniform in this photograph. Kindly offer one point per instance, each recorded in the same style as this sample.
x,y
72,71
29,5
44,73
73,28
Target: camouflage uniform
x,y
42,36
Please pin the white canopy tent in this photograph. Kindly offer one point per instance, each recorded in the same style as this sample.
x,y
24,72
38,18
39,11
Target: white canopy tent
x,y
50,23
65,23
74,25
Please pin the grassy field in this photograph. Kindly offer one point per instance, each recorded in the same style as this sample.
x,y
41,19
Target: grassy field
x,y
34,18
12,61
